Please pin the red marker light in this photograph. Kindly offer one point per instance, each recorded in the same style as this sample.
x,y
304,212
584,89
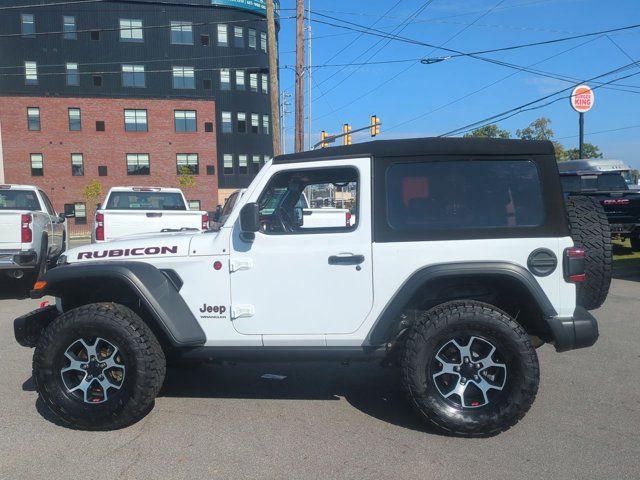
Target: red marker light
x,y
217,265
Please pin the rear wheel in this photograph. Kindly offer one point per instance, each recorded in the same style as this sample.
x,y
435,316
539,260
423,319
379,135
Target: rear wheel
x,y
469,369
590,230
98,367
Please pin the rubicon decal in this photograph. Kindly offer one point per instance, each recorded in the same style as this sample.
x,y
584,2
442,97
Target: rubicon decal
x,y
128,252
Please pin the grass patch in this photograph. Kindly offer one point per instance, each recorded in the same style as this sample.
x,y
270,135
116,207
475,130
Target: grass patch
x,y
623,256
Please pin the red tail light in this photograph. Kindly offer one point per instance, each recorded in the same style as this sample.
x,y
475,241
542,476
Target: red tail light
x,y
348,219
26,233
574,265
205,222
99,226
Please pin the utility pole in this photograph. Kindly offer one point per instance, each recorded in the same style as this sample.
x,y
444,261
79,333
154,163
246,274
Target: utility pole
x,y
299,127
309,78
274,73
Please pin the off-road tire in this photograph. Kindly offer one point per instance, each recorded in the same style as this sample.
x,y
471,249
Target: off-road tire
x,y
143,357
469,318
590,230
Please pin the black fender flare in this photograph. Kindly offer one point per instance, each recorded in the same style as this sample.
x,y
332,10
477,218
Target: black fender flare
x,y
386,323
155,290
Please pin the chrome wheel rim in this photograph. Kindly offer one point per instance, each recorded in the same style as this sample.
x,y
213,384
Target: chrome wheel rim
x,y
468,372
94,370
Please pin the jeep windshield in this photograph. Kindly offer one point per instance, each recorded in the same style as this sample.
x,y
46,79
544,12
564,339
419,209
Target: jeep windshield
x,y
606,182
145,201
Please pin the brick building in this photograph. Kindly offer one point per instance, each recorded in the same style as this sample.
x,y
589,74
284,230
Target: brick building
x,y
134,92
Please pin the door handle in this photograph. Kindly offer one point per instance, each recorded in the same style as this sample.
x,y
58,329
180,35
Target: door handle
x,y
348,259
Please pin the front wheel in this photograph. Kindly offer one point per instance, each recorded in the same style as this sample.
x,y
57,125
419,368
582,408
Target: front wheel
x,y
469,369
98,367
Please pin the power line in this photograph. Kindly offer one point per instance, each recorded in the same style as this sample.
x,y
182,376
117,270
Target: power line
x,y
528,106
601,131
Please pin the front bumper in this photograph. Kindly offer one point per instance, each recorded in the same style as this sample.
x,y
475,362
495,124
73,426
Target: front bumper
x,y
28,328
18,259
578,331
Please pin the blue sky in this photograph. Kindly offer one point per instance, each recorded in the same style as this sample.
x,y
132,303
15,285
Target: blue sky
x,y
404,102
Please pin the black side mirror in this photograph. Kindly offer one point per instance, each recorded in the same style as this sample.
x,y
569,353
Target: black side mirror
x,y
98,206
250,218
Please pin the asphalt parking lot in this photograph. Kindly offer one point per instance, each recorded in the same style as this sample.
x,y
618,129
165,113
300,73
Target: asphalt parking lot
x,y
332,421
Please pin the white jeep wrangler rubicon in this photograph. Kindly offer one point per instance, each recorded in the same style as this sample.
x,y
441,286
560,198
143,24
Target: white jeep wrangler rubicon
x,y
459,264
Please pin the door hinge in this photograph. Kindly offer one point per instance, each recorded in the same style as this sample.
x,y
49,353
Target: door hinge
x,y
240,264
242,311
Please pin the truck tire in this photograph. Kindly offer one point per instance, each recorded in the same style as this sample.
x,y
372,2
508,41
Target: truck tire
x,y
469,369
590,230
98,367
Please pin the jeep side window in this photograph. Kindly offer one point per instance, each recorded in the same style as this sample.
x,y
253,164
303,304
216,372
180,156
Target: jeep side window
x,y
331,205
437,195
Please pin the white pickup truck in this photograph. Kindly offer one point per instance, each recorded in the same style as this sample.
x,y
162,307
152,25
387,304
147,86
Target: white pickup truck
x,y
130,211
32,234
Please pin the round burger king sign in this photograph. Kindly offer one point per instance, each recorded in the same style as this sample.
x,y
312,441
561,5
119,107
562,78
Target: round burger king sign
x,y
582,98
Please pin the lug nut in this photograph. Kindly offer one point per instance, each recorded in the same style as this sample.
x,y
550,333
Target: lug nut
x,y
464,380
101,377
103,365
476,378
456,369
89,377
466,359
83,366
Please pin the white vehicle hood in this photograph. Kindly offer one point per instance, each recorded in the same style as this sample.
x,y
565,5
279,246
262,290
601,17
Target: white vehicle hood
x,y
136,247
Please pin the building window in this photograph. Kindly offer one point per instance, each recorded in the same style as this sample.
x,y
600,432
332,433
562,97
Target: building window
x,y
75,120
138,164
238,37
194,204
77,165
135,121
243,165
265,124
181,33
252,39
73,77
204,40
100,127
228,163
223,40
256,162
253,82
131,30
211,170
185,120
37,165
263,42
206,83
97,80
225,79
102,170
33,119
265,83
183,77
30,73
94,35
208,127
133,76
227,127
240,85
28,25
242,122
255,123
69,28
187,164
80,210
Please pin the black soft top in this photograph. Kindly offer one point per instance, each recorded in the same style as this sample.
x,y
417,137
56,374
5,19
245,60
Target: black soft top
x,y
425,146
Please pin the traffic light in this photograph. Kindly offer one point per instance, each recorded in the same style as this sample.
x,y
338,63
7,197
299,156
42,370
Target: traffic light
x,y
323,137
347,139
375,125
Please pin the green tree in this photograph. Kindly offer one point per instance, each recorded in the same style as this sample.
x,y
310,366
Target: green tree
x,y
186,180
590,151
91,193
539,129
489,131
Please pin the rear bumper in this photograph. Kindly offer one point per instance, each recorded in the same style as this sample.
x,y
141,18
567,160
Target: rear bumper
x,y
578,331
623,228
28,328
18,259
